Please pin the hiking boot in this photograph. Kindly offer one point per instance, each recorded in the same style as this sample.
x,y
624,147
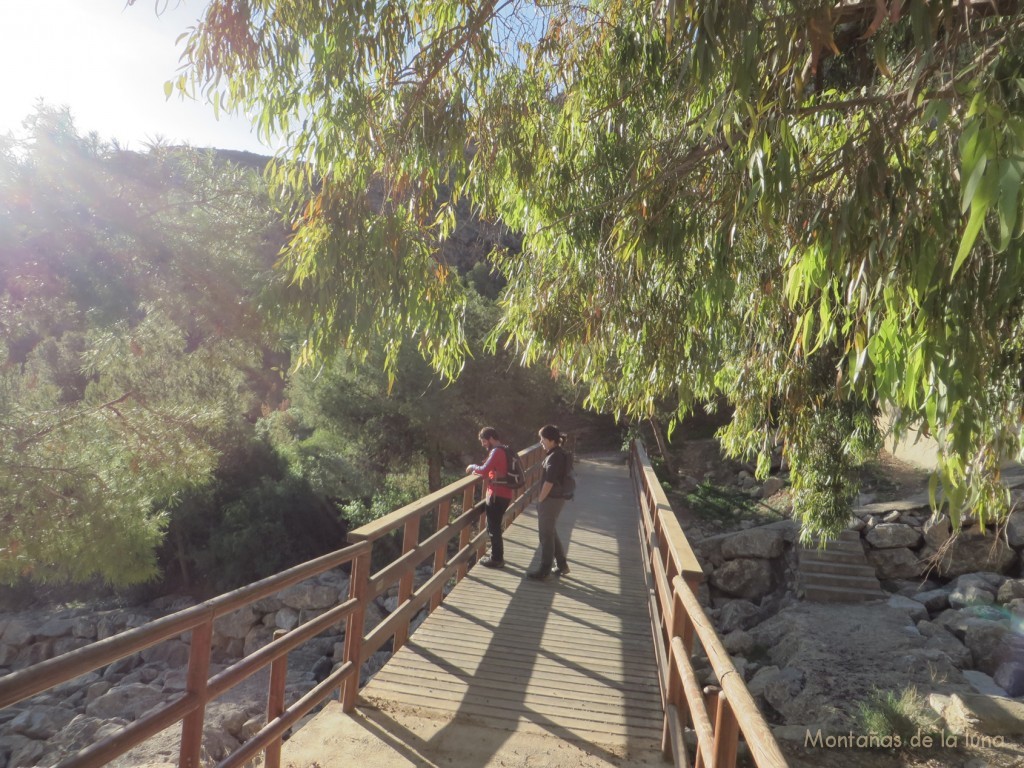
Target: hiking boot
x,y
490,562
538,575
560,570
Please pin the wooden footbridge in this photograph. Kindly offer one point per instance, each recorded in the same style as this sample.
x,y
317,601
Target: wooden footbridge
x,y
590,669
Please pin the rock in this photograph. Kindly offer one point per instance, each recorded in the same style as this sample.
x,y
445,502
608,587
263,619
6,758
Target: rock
x,y
258,637
17,633
982,580
128,701
41,722
933,600
989,715
936,531
941,640
892,517
1015,529
218,744
232,719
983,638
322,668
62,645
29,753
983,683
73,686
55,628
372,666
8,654
737,614
771,486
33,654
913,608
1009,676
761,679
971,550
96,690
893,535
173,653
757,543
118,669
744,577
780,689
286,618
310,596
961,597
176,680
1012,589
738,643
79,733
897,563
236,625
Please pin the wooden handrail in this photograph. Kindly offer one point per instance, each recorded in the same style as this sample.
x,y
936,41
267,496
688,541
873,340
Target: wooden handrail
x,y
719,717
189,708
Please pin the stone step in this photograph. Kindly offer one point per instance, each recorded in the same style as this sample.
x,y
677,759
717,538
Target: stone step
x,y
832,556
840,594
839,569
868,582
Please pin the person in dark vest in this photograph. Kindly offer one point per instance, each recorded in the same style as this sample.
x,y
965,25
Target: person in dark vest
x,y
549,504
498,497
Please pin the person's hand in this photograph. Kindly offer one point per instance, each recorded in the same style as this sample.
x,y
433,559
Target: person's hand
x,y
469,469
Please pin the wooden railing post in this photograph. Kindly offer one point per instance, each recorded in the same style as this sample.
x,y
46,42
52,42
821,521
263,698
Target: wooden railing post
x,y
275,702
198,674
444,516
359,587
468,503
727,733
410,538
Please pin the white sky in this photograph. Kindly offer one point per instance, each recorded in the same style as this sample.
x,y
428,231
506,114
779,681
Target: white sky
x,y
108,64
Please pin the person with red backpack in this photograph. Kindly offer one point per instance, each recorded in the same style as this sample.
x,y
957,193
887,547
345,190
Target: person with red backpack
x,y
495,471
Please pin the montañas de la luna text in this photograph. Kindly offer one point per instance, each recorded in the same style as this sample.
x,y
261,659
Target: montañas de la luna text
x,y
942,739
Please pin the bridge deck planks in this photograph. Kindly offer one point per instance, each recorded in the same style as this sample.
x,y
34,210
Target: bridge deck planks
x,y
571,657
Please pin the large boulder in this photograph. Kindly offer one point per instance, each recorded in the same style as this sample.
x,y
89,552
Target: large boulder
x,y
748,578
760,543
984,639
1015,529
897,563
973,551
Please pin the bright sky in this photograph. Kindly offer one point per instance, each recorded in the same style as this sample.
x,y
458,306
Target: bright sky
x,y
108,63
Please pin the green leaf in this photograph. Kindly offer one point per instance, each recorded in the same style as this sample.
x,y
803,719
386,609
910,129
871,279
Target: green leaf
x,y
970,235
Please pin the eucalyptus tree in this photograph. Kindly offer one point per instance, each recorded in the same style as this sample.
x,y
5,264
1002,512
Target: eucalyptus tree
x,y
811,207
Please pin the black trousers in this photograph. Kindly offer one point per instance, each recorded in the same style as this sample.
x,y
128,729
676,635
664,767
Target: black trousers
x,y
495,508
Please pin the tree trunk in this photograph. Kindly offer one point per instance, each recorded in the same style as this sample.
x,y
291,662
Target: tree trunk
x,y
179,542
434,468
659,438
